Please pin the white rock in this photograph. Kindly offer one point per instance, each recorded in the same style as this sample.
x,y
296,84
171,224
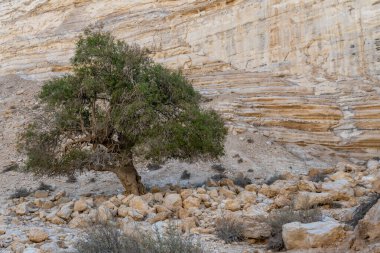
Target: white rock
x,y
312,235
373,164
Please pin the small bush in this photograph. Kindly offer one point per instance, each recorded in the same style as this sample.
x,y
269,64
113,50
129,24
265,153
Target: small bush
x,y
106,238
242,180
282,217
20,192
273,179
153,167
319,177
218,167
185,175
71,179
92,180
229,229
45,187
362,209
218,177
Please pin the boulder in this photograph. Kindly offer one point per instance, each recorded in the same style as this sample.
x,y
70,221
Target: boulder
x,y
139,204
191,202
65,211
247,197
373,164
305,185
173,201
80,205
104,213
256,228
22,209
340,189
232,205
37,235
312,235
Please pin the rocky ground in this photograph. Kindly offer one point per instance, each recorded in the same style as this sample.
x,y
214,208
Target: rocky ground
x,y
50,220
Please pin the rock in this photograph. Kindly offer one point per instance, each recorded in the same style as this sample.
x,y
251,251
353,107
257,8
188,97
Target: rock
x,y
65,211
191,202
123,211
139,205
188,223
368,229
247,197
226,193
373,164
305,200
256,228
159,217
80,221
341,175
41,194
251,188
51,247
104,213
256,212
297,235
59,195
232,204
56,220
173,201
31,250
80,205
22,209
340,189
304,185
185,193
37,235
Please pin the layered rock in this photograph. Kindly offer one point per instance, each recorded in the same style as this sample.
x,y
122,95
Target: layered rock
x,y
243,54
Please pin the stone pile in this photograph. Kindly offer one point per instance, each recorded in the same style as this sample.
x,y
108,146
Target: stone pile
x,y
337,192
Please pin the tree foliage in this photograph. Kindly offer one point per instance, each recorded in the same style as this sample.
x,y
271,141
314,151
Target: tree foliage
x,y
117,103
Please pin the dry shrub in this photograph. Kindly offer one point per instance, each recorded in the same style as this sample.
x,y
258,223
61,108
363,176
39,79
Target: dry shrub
x,y
284,216
103,238
229,229
242,180
20,193
273,179
45,187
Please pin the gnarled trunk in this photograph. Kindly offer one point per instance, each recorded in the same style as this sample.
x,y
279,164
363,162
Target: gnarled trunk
x,y
130,179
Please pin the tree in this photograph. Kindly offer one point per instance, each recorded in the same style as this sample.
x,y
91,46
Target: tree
x,y
116,104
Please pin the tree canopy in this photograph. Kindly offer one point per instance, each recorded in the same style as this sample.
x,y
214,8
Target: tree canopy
x,y
115,104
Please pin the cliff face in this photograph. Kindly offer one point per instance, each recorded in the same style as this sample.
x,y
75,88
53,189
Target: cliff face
x,y
302,71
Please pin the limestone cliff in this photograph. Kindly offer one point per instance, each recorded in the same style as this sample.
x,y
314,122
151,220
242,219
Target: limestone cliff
x,y
302,71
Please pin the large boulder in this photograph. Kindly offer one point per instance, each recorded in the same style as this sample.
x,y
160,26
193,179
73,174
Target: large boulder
x,y
297,235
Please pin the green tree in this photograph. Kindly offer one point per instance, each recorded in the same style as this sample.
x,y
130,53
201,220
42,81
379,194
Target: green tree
x,y
116,104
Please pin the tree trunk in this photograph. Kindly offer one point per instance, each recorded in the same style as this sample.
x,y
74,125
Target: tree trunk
x,y
130,179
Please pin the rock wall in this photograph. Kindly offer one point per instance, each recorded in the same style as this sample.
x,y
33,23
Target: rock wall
x,y
302,71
